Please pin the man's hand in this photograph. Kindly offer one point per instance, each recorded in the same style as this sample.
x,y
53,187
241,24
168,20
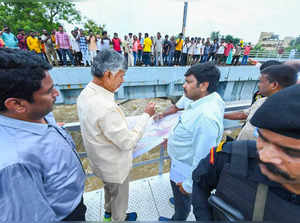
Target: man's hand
x,y
150,109
181,188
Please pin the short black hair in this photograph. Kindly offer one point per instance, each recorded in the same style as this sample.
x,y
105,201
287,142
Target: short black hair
x,y
21,74
269,63
283,74
146,34
205,72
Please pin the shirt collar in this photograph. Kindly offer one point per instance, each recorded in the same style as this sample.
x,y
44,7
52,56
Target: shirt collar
x,y
36,128
200,101
109,95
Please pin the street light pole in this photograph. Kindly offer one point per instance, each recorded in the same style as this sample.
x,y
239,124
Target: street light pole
x,y
184,17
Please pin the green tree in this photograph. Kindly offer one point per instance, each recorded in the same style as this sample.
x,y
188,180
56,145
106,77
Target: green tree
x,y
215,35
229,38
34,15
92,26
236,41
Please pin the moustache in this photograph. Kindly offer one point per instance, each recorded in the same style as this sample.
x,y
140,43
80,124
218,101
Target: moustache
x,y
276,171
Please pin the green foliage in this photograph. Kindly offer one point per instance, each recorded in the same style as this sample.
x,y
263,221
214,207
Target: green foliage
x,y
34,15
215,35
229,38
91,26
258,47
294,44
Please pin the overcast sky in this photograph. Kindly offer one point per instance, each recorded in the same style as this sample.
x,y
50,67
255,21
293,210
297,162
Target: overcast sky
x,y
241,18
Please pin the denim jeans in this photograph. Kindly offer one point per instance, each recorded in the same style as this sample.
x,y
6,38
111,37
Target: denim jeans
x,y
134,58
140,56
64,53
171,58
245,59
182,204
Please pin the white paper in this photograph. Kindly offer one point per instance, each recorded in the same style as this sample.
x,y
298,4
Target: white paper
x,y
155,132
179,171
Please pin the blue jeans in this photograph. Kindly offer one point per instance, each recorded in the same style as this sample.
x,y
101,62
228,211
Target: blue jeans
x,y
245,59
204,58
134,58
182,204
140,55
171,58
64,53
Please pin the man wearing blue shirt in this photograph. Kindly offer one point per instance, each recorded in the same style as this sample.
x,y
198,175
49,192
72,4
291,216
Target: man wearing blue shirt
x,y
41,177
9,39
199,128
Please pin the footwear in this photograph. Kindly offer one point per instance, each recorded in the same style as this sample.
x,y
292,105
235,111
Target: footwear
x,y
172,202
107,217
132,216
161,218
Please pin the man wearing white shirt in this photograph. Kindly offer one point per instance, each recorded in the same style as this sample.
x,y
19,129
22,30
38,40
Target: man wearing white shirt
x,y
75,48
199,128
108,141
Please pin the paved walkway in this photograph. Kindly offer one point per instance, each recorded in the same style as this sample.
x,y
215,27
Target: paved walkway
x,y
149,197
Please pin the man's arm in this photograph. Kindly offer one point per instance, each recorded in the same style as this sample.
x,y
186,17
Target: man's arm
x,y
115,128
240,115
22,195
171,110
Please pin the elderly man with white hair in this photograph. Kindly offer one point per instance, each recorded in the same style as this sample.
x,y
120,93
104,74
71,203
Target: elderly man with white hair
x,y
108,141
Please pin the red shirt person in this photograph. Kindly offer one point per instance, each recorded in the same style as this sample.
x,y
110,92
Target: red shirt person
x,y
116,43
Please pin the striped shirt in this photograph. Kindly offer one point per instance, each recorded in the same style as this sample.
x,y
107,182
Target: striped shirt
x,y
82,43
62,40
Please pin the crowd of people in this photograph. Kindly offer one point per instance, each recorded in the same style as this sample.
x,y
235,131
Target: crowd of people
x,y
42,179
142,50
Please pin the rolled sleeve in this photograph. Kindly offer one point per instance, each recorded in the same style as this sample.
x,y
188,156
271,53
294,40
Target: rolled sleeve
x,y
204,138
115,129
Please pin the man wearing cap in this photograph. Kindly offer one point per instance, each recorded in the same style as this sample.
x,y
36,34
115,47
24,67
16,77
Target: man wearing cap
x,y
199,128
257,181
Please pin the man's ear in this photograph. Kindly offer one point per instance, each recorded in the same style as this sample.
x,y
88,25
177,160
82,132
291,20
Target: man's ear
x,y
204,86
15,105
275,85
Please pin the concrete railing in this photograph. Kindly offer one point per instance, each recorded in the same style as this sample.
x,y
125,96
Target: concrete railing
x,y
235,106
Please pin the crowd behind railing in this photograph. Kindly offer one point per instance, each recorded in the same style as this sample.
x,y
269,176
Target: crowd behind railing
x,y
139,50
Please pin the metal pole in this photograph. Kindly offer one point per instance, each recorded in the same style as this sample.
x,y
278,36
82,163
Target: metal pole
x,y
184,17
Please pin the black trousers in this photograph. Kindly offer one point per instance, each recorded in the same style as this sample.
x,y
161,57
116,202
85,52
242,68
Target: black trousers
x,y
177,57
78,214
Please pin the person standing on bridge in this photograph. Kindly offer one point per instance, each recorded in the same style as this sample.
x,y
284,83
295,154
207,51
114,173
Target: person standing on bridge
x,y
41,176
108,141
199,128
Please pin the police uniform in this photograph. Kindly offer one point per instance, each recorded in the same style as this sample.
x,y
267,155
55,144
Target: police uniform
x,y
236,175
232,169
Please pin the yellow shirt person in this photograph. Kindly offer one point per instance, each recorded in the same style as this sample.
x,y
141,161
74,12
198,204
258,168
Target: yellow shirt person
x,y
179,44
34,44
147,45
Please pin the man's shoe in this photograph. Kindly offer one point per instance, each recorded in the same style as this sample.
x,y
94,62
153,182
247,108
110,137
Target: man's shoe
x,y
107,217
161,218
172,202
132,216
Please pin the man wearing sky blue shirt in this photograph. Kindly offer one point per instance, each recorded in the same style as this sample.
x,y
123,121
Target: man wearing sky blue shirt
x,y
199,128
41,176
